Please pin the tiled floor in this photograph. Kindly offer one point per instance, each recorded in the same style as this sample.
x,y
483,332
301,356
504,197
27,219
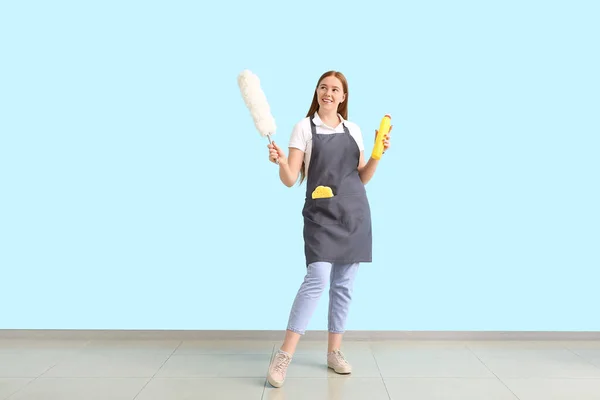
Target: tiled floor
x,y
222,370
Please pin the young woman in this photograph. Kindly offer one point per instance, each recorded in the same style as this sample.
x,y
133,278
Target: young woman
x,y
327,150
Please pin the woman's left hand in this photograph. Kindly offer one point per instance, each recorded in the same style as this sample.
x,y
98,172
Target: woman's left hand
x,y
386,139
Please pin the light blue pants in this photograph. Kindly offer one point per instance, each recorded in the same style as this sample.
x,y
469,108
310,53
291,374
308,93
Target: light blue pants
x,y
341,281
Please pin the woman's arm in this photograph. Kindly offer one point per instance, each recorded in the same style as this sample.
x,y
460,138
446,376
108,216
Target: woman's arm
x,y
289,167
366,170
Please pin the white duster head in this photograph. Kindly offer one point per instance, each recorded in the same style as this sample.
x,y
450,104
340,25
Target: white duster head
x,y
256,101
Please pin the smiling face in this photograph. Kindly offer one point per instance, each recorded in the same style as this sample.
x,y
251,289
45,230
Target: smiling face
x,y
330,93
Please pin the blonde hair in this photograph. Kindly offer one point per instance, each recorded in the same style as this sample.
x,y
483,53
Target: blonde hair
x,y
314,106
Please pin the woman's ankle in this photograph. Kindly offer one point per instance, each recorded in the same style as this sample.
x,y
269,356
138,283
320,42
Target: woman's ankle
x,y
290,342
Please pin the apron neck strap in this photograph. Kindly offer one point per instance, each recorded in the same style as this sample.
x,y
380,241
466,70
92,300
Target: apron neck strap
x,y
313,127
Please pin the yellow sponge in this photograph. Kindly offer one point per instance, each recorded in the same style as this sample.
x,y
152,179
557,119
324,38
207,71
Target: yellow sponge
x,y
321,192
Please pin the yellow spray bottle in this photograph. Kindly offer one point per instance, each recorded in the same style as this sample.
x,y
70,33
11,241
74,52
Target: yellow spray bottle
x,y
384,129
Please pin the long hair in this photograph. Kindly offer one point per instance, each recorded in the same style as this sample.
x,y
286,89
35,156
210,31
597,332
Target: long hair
x,y
314,106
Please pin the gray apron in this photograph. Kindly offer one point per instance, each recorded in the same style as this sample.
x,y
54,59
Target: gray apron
x,y
336,229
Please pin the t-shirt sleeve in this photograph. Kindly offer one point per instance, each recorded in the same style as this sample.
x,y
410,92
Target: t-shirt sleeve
x,y
297,138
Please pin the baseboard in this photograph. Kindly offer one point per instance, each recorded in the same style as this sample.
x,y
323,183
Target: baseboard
x,y
76,334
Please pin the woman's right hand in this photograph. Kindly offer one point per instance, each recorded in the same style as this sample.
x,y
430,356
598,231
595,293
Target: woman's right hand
x,y
276,154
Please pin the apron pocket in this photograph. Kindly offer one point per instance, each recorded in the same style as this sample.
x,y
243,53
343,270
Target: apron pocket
x,y
336,210
324,211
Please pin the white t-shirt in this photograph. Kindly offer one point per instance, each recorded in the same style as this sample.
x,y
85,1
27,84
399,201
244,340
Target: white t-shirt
x,y
301,137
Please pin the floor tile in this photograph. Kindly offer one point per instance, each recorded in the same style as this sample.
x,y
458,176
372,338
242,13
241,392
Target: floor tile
x,y
159,346
433,362
237,369
387,345
215,365
225,347
109,364
320,347
587,350
518,344
28,363
528,362
203,388
9,386
555,389
448,389
81,388
328,389
314,365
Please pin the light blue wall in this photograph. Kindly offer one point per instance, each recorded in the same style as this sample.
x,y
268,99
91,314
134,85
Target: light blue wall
x,y
129,164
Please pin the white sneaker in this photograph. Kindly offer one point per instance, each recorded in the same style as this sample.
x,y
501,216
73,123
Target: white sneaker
x,y
337,362
278,368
